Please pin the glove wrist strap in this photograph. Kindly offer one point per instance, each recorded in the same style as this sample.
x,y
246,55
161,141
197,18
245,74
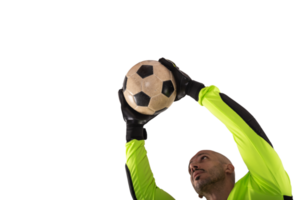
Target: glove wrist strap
x,y
135,131
193,89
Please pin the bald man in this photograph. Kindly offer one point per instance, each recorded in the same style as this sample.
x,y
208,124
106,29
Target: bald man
x,y
212,174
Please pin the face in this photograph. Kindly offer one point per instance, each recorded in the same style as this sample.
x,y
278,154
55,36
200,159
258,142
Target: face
x,y
205,170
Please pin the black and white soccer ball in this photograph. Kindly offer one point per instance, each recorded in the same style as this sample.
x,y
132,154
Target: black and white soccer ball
x,y
149,87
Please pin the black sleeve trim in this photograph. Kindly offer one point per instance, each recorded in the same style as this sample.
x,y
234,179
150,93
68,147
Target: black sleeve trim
x,y
129,183
246,115
288,198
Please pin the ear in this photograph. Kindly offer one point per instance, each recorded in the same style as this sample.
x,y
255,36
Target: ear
x,y
230,168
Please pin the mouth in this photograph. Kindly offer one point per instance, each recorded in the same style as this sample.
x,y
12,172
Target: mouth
x,y
197,175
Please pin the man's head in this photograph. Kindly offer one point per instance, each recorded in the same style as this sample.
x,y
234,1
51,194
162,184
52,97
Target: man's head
x,y
209,169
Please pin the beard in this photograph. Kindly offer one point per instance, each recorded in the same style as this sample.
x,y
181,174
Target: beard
x,y
202,186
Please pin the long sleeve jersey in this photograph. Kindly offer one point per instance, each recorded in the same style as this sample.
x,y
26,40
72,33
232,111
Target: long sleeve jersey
x,y
266,178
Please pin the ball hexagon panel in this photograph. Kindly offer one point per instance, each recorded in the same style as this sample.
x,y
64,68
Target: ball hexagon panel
x,y
161,72
141,99
152,86
167,88
129,99
145,71
158,102
133,85
145,110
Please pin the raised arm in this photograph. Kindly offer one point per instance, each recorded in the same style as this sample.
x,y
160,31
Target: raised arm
x,y
267,178
140,177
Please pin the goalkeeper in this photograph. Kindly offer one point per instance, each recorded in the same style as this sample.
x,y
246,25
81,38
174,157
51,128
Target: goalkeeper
x,y
212,174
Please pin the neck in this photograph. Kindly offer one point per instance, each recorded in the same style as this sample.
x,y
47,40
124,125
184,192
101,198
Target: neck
x,y
219,192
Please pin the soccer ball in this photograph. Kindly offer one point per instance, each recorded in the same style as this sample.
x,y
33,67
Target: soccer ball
x,y
149,87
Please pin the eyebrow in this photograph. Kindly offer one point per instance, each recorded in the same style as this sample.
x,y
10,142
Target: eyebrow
x,y
196,156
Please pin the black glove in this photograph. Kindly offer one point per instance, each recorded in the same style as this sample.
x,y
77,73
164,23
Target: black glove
x,y
184,84
135,121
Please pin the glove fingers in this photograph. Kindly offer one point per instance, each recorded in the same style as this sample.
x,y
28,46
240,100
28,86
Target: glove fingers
x,y
127,111
130,115
182,79
119,95
122,98
167,64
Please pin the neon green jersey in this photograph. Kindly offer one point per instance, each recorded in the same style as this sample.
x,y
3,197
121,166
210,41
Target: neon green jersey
x,y
266,179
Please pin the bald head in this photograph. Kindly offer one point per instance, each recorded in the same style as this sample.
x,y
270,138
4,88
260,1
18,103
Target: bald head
x,y
211,173
219,156
223,159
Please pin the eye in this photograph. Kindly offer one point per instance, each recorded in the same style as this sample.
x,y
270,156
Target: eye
x,y
201,158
